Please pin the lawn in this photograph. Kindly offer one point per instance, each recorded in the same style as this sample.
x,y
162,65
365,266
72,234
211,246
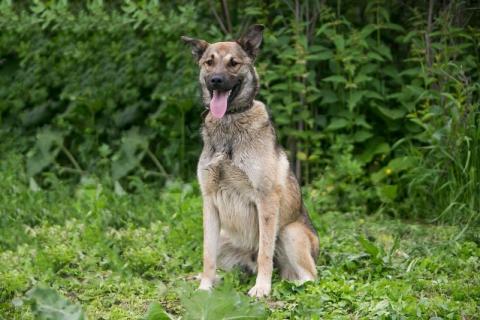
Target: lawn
x,y
117,255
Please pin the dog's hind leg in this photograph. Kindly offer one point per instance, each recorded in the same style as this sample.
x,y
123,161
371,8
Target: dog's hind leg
x,y
295,252
230,256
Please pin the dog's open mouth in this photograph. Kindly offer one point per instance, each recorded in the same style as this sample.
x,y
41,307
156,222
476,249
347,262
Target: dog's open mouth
x,y
218,104
221,99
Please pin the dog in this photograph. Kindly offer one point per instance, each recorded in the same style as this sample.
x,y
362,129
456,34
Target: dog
x,y
253,214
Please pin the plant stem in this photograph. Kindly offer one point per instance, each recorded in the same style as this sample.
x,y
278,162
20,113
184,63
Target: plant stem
x,y
71,158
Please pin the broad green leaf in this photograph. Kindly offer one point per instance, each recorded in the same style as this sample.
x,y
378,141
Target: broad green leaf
x,y
44,152
354,99
384,51
301,156
47,304
335,79
373,148
392,113
33,184
361,78
126,116
411,71
368,246
362,135
373,95
378,176
361,122
33,116
367,30
393,26
325,55
337,123
339,41
387,193
375,56
156,312
402,163
328,96
394,166
222,303
131,153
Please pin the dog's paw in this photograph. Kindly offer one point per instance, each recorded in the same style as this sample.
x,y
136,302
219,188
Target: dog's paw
x,y
260,290
216,159
205,285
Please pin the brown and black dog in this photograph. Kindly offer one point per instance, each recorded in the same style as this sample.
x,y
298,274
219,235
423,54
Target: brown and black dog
x,y
253,213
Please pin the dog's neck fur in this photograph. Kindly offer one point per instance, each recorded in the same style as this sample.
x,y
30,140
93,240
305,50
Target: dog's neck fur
x,y
226,134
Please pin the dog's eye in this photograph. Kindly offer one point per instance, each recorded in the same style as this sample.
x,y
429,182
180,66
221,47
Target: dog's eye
x,y
209,62
233,63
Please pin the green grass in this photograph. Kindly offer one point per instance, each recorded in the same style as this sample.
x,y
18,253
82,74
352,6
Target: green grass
x,y
116,255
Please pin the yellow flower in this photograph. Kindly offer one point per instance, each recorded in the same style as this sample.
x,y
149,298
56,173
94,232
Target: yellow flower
x,y
388,171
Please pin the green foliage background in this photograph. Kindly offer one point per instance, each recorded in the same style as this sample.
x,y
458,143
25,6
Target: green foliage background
x,y
377,102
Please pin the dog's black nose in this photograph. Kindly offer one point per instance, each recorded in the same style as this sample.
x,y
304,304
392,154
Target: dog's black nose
x,y
216,80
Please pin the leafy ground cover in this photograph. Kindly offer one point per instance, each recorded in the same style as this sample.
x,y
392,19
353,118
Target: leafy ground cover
x,y
121,257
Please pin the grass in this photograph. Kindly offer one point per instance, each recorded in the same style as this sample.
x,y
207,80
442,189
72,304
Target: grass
x,y
117,255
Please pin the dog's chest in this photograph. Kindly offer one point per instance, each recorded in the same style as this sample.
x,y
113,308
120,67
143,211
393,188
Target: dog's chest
x,y
233,195
231,187
224,138
238,215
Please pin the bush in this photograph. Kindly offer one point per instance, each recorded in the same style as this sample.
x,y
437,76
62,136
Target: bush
x,y
387,90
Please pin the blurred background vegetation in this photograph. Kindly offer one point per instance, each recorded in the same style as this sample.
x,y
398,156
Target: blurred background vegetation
x,y
376,102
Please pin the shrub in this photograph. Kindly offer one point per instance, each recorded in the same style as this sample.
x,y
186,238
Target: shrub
x,y
379,97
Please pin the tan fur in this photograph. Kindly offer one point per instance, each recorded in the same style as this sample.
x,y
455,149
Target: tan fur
x,y
253,212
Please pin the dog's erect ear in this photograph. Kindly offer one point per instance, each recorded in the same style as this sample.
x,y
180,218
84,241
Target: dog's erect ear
x,y
198,46
252,39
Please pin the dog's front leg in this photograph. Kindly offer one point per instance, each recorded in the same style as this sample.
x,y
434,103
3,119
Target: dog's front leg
x,y
211,232
267,222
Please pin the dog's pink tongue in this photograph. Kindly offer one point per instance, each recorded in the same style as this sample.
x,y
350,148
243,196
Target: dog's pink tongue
x,y
218,104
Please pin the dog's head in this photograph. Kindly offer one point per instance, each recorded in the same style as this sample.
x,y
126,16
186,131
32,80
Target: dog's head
x,y
228,78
